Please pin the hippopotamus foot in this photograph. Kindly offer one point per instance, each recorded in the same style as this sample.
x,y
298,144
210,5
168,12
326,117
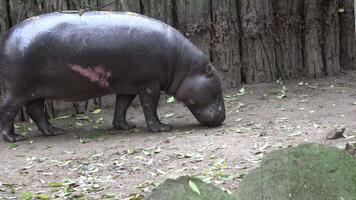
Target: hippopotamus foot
x,y
8,110
149,98
122,104
153,127
124,125
52,131
12,137
35,109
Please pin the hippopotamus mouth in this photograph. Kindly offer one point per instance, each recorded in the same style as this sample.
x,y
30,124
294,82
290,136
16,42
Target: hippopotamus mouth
x,y
211,115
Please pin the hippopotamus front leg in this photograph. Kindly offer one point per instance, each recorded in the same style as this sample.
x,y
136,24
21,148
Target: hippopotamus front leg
x,y
122,104
149,97
35,109
8,111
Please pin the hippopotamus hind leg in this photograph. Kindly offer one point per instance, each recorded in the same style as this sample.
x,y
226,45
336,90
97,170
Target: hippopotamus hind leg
x,y
8,110
122,104
149,98
35,109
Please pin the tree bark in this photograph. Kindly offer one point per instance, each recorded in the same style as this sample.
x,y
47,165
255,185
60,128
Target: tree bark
x,y
347,35
85,5
159,9
288,16
331,37
258,47
4,18
120,5
321,39
225,36
193,20
312,39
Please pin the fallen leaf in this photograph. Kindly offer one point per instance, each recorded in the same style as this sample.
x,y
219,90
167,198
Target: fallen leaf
x,y
62,117
96,111
169,115
194,187
170,99
56,184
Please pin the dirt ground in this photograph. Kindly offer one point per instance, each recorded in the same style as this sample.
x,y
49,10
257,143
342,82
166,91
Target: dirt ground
x,y
92,161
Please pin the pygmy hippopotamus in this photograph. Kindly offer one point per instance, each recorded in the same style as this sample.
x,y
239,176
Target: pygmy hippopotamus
x,y
73,57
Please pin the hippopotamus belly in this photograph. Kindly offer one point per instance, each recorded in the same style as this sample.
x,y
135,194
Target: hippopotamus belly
x,y
76,57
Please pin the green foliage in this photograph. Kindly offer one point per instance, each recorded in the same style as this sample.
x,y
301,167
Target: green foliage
x,y
32,196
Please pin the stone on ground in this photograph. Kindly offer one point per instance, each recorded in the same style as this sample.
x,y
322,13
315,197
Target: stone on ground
x,y
308,171
188,188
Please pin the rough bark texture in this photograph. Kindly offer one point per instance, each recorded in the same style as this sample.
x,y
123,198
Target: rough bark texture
x,y
4,18
258,47
225,35
248,41
288,39
321,39
159,9
331,37
312,39
347,35
193,19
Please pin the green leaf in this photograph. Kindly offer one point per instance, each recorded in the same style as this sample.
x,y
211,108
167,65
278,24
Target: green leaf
x,y
241,92
188,188
169,115
42,196
282,94
194,187
79,124
96,111
170,99
55,184
12,146
62,117
27,196
82,141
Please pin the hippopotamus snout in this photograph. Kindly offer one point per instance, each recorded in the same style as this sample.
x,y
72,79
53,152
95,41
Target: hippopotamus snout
x,y
212,115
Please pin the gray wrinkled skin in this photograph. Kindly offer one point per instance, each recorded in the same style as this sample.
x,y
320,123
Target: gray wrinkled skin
x,y
74,57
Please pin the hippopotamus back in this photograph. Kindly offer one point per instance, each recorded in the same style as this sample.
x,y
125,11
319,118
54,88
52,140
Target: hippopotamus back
x,y
76,57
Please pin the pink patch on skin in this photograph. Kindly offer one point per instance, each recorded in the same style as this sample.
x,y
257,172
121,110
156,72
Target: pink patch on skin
x,y
94,74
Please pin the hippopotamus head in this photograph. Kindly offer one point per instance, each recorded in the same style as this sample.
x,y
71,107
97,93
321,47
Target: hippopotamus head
x,y
201,92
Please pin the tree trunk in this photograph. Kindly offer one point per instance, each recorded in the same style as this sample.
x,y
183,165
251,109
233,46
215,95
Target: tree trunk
x,y
331,37
85,5
159,9
4,18
288,16
313,57
225,36
321,39
258,47
120,5
193,19
347,35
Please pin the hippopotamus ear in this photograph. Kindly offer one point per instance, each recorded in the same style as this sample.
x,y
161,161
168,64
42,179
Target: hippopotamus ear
x,y
208,70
